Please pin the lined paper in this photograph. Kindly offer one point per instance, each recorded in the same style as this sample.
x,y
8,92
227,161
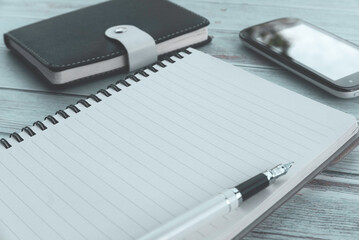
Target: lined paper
x,y
148,153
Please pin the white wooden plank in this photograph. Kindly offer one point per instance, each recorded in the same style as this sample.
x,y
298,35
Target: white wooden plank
x,y
51,6
20,108
41,9
319,211
344,5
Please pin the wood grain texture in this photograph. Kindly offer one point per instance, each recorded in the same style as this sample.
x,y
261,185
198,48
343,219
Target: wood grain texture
x,y
327,208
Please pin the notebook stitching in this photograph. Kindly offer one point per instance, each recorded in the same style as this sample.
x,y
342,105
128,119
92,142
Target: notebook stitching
x,y
103,56
180,31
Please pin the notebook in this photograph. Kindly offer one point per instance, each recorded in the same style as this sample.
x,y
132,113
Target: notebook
x,y
134,156
73,46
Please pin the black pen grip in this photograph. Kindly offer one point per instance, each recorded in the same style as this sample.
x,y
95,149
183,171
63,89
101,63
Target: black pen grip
x,y
253,186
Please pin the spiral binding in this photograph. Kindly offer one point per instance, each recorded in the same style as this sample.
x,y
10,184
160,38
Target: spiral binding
x,y
94,97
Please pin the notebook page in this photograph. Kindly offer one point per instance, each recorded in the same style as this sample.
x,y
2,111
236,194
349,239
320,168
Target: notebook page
x,y
148,153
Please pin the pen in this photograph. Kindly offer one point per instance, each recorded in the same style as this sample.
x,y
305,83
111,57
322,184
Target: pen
x,y
217,206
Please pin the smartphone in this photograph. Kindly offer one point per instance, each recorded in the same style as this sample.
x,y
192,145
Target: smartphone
x,y
318,56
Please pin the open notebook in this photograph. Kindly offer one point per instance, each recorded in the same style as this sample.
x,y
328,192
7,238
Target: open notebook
x,y
143,155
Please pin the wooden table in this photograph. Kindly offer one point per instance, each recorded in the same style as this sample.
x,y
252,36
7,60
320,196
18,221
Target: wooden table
x,y
327,208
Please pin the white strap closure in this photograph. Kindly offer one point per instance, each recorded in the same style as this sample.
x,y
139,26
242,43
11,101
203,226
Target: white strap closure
x,y
140,46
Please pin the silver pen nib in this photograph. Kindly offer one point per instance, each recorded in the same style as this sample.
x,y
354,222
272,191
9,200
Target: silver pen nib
x,y
276,172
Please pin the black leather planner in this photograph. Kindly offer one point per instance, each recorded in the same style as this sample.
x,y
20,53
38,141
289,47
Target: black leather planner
x,y
73,46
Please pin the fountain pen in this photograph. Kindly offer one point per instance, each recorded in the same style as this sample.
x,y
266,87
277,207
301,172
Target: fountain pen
x,y
217,206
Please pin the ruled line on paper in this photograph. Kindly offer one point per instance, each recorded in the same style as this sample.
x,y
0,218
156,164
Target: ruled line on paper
x,y
222,161
180,149
240,116
9,229
22,200
199,126
152,158
99,140
51,190
199,173
139,177
223,127
166,153
86,201
18,217
94,174
190,90
65,184
199,77
321,124
200,188
148,129
194,113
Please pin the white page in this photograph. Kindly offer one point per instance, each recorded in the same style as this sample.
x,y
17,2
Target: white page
x,y
148,153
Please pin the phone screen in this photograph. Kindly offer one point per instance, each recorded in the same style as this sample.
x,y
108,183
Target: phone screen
x,y
322,53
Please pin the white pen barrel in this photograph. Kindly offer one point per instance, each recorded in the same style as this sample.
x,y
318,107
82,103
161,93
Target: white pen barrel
x,y
196,217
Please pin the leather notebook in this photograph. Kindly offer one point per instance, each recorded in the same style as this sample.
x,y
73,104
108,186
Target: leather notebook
x,y
73,46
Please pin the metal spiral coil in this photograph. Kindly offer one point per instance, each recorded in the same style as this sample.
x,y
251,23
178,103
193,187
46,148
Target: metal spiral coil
x,y
40,125
104,92
143,73
5,143
123,82
29,131
51,119
132,77
161,64
62,113
94,97
16,136
114,87
84,103
73,108
169,59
